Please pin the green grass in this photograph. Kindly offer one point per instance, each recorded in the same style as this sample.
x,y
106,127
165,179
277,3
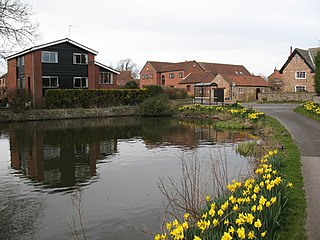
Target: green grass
x,y
303,111
294,214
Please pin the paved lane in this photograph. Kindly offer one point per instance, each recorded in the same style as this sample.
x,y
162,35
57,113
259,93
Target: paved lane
x,y
306,134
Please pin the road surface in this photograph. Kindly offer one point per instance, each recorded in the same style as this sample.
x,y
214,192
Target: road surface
x,y
306,134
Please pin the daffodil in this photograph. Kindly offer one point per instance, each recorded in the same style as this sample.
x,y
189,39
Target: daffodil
x,y
258,224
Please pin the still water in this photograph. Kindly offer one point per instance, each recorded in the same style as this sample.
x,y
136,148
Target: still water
x,y
115,162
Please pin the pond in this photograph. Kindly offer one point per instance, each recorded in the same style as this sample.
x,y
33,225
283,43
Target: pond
x,y
113,166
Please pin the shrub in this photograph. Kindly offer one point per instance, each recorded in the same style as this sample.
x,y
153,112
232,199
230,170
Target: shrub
x,y
157,106
175,93
20,99
131,85
154,90
74,98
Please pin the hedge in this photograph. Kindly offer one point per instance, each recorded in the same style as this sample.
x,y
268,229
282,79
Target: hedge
x,y
87,98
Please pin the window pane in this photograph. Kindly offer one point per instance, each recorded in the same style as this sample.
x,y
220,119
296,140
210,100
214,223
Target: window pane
x,y
54,57
77,82
45,57
45,82
84,82
54,82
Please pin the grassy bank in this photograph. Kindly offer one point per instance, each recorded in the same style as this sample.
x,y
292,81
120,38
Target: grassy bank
x,y
307,113
273,136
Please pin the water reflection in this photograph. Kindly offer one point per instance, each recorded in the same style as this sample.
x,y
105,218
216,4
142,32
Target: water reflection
x,y
60,154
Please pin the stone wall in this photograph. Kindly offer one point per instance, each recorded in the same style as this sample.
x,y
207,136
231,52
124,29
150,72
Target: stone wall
x,y
72,113
280,97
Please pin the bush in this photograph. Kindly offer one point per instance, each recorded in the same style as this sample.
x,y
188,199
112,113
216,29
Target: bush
x,y
154,90
131,85
157,106
75,98
176,93
20,99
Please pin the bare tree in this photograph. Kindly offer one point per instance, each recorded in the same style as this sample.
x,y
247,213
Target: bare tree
x,y
128,65
17,29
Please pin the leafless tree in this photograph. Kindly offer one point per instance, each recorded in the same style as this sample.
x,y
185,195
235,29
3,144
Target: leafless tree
x,y
128,65
17,29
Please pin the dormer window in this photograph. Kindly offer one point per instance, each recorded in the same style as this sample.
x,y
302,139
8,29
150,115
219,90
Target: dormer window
x,y
80,58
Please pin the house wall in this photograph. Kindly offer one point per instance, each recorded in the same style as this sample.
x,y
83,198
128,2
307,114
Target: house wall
x,y
97,79
289,75
222,83
148,69
248,93
12,74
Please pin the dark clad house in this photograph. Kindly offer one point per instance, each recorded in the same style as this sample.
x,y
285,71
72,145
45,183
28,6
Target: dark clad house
x,y
63,64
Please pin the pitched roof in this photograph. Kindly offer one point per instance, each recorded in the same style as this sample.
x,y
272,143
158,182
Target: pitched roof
x,y
106,67
125,75
177,66
159,65
51,44
247,81
228,69
276,74
307,55
198,77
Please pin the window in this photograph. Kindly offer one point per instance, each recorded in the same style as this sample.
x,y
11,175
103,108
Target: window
x,y
241,90
80,58
50,82
143,76
301,75
49,57
106,78
147,76
300,88
20,61
151,75
21,83
80,82
171,75
188,88
180,74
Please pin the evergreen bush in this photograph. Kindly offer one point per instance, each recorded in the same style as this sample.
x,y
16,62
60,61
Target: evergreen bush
x,y
157,106
87,98
154,90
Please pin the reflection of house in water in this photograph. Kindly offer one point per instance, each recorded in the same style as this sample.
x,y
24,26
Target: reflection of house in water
x,y
191,135
57,165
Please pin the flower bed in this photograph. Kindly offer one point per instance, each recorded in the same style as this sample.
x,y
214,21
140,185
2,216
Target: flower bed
x,y
248,209
312,107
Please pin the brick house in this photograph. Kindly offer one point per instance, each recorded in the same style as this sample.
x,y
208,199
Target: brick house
x,y
275,80
150,74
124,77
241,87
166,74
3,85
298,71
63,64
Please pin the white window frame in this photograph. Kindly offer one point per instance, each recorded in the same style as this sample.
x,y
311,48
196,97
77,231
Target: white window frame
x,y
298,86
241,90
50,85
80,54
301,75
53,57
102,80
81,78
180,74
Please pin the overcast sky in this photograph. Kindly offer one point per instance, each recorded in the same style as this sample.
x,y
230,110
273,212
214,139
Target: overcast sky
x,y
256,34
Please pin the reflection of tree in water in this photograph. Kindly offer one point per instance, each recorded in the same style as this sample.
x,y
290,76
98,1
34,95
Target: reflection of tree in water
x,y
20,215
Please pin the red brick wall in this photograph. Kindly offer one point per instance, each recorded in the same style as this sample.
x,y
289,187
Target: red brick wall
x,y
148,69
104,86
92,77
36,79
12,75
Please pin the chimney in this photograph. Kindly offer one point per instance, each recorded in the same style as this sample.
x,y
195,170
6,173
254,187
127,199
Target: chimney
x,y
290,50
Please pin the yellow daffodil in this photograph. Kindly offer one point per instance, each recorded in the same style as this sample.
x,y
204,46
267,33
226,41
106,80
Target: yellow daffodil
x,y
258,224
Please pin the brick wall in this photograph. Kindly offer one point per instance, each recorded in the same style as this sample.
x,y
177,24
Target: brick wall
x,y
289,75
148,69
